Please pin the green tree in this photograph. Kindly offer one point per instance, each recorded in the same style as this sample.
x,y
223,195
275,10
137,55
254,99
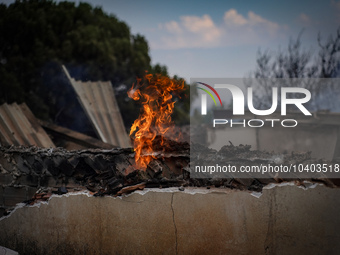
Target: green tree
x,y
92,44
38,36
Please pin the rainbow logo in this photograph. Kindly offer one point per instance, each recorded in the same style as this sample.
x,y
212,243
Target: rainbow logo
x,y
204,97
209,93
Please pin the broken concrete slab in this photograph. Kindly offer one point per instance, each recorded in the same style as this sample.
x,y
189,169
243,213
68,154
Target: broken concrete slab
x,y
284,220
113,172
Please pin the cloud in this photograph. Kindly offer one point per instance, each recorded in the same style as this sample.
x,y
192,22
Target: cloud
x,y
191,31
202,32
173,27
233,18
251,27
304,19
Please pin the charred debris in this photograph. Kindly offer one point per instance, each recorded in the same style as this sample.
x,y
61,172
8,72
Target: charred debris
x,y
113,172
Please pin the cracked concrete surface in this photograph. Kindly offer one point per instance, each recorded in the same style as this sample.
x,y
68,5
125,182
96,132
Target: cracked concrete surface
x,y
284,220
173,218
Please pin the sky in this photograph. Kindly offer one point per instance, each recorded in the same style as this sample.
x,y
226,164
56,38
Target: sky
x,y
221,38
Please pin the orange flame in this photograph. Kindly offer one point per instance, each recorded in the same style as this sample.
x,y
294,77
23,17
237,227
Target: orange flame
x,y
155,94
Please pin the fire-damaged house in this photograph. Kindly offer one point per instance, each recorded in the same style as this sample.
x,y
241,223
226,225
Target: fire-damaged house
x,y
63,192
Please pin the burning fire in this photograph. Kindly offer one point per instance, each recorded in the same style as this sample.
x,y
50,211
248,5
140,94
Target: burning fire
x,y
155,94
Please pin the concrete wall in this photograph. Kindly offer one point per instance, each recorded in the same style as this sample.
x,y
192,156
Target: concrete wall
x,y
10,196
18,188
284,220
321,140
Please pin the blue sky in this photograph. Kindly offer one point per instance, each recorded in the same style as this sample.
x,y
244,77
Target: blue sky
x,y
221,38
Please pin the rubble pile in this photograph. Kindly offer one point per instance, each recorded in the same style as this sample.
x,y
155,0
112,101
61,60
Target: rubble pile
x,y
113,172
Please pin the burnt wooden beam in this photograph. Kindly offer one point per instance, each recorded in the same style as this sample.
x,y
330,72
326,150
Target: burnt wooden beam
x,y
62,133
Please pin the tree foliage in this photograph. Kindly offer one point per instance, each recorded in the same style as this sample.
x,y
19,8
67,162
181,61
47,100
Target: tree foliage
x,y
38,36
92,44
298,63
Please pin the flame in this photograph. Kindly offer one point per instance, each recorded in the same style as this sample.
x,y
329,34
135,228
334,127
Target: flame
x,y
155,94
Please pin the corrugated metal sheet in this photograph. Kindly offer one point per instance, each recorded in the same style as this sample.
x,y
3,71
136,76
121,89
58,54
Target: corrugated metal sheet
x,y
99,102
18,126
